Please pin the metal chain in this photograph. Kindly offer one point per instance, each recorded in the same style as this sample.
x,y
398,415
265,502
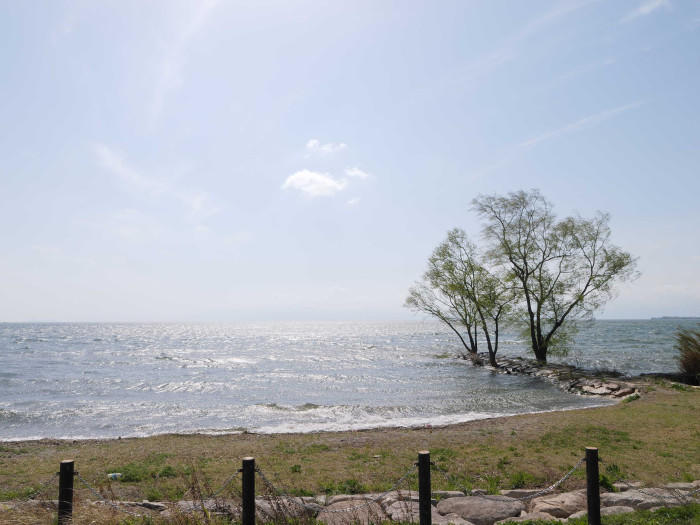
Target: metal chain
x,y
285,493
555,484
679,495
41,488
108,502
314,508
226,483
531,496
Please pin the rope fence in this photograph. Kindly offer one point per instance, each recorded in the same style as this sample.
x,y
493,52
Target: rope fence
x,y
280,499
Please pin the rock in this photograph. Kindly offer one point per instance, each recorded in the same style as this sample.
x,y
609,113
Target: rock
x,y
639,500
625,392
519,493
347,497
598,391
287,507
409,511
680,486
481,510
532,516
627,485
153,505
444,494
611,386
617,509
560,505
605,511
454,519
477,492
346,512
398,495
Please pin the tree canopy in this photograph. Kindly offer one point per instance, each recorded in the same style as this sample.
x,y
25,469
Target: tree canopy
x,y
536,271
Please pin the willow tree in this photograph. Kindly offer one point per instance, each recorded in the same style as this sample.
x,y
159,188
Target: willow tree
x,y
564,269
460,291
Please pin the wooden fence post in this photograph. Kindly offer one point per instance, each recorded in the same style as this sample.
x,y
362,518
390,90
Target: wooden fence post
x,y
248,487
65,492
424,491
592,486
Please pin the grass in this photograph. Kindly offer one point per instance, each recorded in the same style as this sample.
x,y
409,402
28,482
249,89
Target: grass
x,y
655,440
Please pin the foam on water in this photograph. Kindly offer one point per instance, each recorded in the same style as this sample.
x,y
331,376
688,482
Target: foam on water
x,y
108,380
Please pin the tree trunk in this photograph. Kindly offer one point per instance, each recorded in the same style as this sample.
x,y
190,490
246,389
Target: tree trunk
x,y
540,353
492,358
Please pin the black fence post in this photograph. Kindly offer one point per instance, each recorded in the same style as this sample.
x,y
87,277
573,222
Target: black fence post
x,y
592,486
248,487
424,491
65,491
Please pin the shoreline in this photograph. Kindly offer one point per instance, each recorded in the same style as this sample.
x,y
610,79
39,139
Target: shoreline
x,y
650,439
579,381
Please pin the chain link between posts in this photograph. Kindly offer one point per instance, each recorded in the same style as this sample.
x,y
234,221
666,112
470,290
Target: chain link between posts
x,y
106,501
529,496
681,496
226,483
41,488
316,508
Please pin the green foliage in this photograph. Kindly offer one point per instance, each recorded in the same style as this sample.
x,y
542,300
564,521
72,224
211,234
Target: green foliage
x,y
492,484
564,269
296,469
519,480
688,346
348,486
631,398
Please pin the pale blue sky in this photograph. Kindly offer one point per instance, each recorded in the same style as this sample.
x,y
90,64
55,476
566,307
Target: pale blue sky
x,y
233,161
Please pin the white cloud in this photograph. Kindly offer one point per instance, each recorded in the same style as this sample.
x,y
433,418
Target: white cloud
x,y
314,184
646,8
354,201
315,146
356,172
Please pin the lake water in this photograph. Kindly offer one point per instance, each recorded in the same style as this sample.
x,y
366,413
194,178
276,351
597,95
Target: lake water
x,y
106,380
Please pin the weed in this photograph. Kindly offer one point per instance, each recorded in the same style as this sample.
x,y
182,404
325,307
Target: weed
x,y
492,484
519,480
296,469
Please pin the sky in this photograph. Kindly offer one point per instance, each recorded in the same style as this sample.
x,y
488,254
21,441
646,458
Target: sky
x,y
274,160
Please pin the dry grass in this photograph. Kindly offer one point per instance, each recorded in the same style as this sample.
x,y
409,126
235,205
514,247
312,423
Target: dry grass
x,y
655,439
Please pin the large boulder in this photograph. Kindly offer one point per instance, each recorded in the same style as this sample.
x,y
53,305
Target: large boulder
x,y
358,512
641,499
560,505
409,512
530,517
481,510
605,511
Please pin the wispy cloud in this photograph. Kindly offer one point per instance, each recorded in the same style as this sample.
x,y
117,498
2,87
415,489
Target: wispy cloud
x,y
314,184
315,146
170,69
197,203
353,202
356,172
646,8
585,122
507,156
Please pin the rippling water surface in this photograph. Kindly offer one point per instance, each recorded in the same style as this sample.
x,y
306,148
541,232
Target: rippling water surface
x,y
108,380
